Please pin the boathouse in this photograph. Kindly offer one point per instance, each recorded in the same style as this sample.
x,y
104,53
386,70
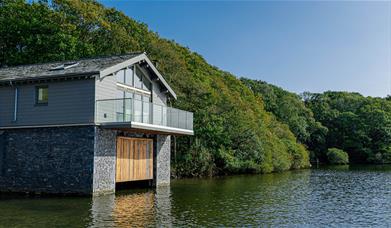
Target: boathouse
x,y
83,126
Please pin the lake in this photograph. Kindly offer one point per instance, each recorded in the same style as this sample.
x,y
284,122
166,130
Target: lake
x,y
337,196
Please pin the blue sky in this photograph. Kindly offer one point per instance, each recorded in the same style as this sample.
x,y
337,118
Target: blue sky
x,y
300,46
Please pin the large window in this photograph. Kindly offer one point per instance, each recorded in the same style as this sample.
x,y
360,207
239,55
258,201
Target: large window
x,y
129,76
128,95
138,107
138,79
147,85
146,106
119,94
41,95
133,77
120,76
135,88
128,104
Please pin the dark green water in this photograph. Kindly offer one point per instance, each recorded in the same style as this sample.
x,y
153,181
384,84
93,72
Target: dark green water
x,y
336,196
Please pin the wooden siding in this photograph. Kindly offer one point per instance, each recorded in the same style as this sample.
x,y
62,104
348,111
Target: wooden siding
x,y
70,102
134,159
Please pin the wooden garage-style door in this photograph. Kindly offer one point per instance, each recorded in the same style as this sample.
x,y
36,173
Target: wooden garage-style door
x,y
134,159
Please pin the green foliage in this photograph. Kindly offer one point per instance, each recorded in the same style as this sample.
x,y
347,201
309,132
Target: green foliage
x,y
233,132
359,125
196,162
337,157
289,108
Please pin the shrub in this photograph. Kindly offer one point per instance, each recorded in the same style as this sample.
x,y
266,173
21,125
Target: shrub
x,y
337,156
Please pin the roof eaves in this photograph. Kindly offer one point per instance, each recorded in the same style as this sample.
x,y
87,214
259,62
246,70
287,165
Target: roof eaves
x,y
48,77
121,65
164,82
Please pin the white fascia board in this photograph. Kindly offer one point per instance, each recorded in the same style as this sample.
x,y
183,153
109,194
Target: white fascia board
x,y
120,66
160,77
154,127
145,126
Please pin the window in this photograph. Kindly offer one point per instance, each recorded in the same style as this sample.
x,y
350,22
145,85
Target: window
x,y
120,76
119,94
146,98
132,79
146,106
141,81
128,95
138,107
129,77
138,79
41,95
147,85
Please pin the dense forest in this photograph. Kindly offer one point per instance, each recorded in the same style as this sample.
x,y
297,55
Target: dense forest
x,y
357,125
241,125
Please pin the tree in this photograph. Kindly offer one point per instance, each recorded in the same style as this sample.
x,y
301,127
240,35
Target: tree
x,y
337,157
359,125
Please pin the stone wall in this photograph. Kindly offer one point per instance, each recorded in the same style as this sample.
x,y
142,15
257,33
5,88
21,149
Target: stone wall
x,y
162,161
104,161
69,159
105,158
49,160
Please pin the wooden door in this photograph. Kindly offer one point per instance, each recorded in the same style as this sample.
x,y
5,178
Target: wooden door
x,y
134,159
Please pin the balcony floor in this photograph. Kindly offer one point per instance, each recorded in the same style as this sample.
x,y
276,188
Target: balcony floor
x,y
147,128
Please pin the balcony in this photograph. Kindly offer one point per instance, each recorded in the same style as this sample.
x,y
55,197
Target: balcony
x,y
141,115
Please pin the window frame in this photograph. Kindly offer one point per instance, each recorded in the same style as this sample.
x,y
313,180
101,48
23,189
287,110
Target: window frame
x,y
143,77
37,101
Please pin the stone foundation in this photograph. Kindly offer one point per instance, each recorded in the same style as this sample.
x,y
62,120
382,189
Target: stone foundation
x,y
163,160
47,160
104,161
78,160
105,158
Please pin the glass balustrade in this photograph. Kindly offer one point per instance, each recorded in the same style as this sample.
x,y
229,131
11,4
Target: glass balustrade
x,y
132,110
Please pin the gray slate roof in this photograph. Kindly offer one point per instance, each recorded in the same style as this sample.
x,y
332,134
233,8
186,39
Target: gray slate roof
x,y
85,66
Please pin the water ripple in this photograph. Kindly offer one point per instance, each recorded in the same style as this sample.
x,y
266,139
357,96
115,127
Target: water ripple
x,y
327,197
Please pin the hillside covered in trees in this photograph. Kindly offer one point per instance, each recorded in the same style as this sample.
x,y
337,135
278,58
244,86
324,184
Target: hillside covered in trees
x,y
241,125
359,125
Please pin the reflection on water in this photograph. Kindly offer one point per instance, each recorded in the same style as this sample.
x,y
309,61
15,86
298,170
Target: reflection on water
x,y
337,196
132,209
102,209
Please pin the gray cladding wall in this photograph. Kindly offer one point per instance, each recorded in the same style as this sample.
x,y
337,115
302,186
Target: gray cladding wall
x,y
49,160
70,102
106,88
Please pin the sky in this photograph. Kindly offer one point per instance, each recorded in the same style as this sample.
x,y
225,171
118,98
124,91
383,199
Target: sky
x,y
299,46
